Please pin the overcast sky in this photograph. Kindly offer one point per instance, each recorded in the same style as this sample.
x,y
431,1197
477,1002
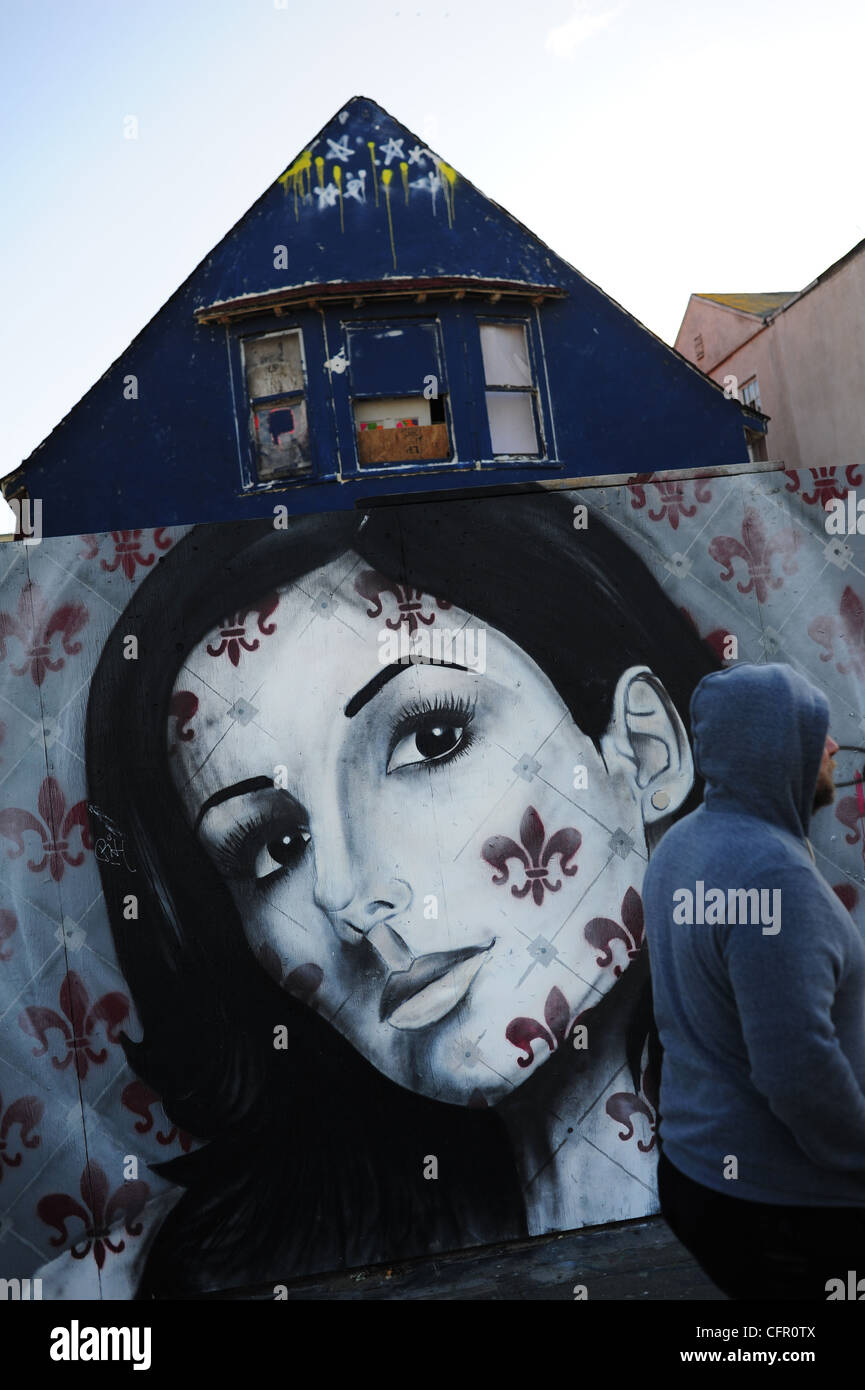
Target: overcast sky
x,y
660,146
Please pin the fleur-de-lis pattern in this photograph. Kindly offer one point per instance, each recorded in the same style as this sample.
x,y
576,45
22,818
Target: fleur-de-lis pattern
x,y
182,710
522,1031
827,485
77,1024
535,856
140,1100
673,496
409,602
24,1115
603,931
128,547
55,828
757,548
232,639
843,637
847,812
96,1211
8,925
717,639
847,894
59,601
622,1107
34,627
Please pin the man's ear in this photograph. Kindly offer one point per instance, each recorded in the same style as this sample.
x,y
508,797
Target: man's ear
x,y
647,744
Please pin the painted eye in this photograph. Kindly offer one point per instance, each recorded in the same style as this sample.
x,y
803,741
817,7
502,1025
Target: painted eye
x,y
281,853
431,742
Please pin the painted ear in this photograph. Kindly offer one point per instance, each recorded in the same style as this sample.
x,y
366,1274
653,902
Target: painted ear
x,y
647,743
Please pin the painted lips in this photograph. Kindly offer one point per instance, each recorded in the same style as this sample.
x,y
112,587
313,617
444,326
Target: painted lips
x,y
433,986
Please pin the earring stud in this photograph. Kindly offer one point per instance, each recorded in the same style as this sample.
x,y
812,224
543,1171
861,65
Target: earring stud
x,y
660,800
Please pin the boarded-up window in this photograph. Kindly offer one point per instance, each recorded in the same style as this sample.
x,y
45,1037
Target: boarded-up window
x,y
277,402
510,393
398,392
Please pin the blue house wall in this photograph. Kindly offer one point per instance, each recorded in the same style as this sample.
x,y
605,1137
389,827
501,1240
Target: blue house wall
x,y
368,228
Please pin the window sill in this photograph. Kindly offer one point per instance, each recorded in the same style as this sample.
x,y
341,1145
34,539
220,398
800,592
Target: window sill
x,y
410,469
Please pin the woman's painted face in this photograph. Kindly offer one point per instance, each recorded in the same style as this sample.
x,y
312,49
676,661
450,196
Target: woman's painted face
x,y
411,846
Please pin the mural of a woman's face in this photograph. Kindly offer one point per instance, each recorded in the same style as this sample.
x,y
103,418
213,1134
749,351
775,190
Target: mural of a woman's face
x,y
410,846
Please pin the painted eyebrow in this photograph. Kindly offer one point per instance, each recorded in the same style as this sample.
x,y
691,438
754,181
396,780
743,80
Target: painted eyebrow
x,y
371,689
251,784
356,703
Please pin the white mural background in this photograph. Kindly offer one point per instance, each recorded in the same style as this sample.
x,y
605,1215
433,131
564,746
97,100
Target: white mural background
x,y
747,555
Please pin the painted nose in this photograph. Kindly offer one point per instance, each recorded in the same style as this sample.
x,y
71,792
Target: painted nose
x,y
351,886
831,746
354,907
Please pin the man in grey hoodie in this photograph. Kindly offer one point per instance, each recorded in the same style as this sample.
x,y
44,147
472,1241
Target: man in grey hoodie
x,y
759,1002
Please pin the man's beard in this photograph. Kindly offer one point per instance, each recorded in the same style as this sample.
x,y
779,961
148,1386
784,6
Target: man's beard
x,y
824,794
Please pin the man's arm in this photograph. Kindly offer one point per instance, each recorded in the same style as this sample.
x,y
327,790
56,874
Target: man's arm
x,y
785,985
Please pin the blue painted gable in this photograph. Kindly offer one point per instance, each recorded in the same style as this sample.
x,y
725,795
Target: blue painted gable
x,y
367,200
351,336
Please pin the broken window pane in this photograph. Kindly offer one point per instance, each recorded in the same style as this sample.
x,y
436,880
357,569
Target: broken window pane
x,y
400,429
281,435
273,365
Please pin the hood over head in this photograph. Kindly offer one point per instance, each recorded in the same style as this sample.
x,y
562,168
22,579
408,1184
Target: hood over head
x,y
759,733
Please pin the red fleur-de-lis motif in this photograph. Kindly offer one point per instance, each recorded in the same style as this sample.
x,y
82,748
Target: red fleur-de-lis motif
x,y
8,925
78,1034
717,639
139,1098
26,1112
34,627
826,484
847,894
621,1106
96,1215
757,548
848,628
522,1031
127,549
600,932
371,585
847,812
54,829
183,706
233,631
535,858
672,496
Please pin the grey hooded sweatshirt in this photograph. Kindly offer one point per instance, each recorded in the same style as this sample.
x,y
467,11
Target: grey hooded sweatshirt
x,y
759,999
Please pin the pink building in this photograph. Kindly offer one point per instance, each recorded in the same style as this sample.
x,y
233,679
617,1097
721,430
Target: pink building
x,y
798,356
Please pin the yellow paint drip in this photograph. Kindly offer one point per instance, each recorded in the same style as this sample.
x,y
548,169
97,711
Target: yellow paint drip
x,y
448,177
403,168
337,178
319,169
386,176
299,175
371,148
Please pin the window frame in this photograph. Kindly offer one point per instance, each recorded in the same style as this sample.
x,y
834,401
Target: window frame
x,y
338,324
266,325
333,449
541,409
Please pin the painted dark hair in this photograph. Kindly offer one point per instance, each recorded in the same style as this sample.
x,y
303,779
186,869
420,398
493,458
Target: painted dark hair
x,y
314,1159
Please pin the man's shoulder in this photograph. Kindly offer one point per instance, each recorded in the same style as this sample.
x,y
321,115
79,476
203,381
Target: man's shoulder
x,y
730,840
